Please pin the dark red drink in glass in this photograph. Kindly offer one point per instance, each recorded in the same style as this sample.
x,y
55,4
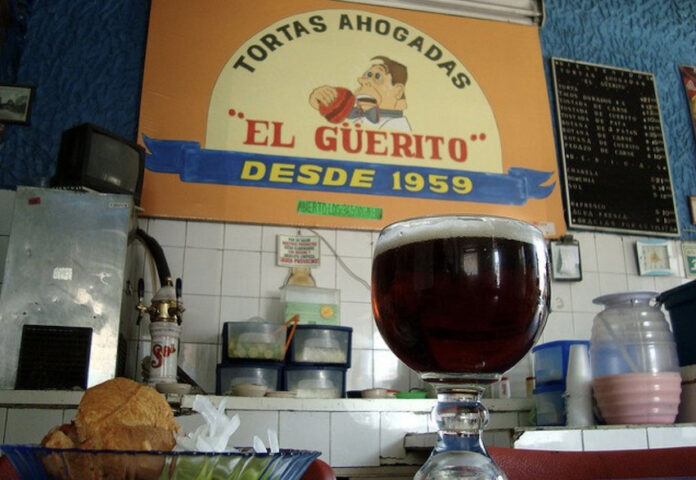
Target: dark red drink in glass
x,y
449,302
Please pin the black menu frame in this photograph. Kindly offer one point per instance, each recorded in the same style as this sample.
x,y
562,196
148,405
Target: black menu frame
x,y
615,165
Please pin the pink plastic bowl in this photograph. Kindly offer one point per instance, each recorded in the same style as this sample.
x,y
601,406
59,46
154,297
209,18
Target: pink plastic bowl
x,y
638,398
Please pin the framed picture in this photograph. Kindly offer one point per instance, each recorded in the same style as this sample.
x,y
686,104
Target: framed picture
x,y
15,103
655,257
565,259
689,256
692,209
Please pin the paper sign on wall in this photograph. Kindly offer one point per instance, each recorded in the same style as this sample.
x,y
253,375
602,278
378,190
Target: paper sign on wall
x,y
298,251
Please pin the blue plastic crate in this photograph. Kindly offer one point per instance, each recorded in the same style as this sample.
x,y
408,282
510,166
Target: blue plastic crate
x,y
320,345
551,361
269,374
315,381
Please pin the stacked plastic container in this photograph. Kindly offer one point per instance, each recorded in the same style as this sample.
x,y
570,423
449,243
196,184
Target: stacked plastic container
x,y
550,373
317,361
256,362
252,358
635,370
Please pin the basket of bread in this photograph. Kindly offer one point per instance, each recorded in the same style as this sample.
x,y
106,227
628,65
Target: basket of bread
x,y
127,430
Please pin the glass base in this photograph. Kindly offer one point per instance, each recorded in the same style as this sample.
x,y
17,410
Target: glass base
x,y
459,465
460,415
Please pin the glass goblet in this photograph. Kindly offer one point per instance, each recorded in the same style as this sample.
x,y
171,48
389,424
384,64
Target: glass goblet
x,y
460,299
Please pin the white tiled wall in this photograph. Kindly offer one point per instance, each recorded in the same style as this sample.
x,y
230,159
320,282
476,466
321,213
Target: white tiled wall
x,y
229,274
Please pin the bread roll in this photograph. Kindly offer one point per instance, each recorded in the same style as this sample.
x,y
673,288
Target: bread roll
x,y
119,414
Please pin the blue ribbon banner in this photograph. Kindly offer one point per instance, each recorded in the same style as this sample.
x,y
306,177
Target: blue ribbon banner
x,y
223,167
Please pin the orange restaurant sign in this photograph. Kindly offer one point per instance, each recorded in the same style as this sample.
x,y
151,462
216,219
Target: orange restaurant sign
x,y
333,114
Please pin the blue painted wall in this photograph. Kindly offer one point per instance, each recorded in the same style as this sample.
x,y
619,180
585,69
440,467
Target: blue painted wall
x,y
653,36
86,56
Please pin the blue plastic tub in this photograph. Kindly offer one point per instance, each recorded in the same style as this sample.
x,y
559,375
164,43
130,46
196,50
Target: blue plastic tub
x,y
550,405
551,361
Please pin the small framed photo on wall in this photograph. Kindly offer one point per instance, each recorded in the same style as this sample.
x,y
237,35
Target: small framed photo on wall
x,y
692,209
15,103
655,258
565,259
689,255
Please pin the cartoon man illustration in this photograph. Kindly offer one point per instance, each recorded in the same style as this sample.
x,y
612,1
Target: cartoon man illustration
x,y
378,102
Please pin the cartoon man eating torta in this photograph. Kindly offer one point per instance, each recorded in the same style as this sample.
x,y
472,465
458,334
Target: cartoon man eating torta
x,y
378,102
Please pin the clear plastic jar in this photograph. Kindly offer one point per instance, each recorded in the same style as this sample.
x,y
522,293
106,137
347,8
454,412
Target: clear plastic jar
x,y
631,335
635,370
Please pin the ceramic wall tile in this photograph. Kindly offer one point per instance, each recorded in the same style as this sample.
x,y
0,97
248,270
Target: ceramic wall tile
x,y
306,431
661,437
559,326
201,319
615,439
271,309
610,253
582,293
175,262
273,277
351,289
204,234
199,360
390,372
243,237
327,239
354,243
563,440
171,233
269,236
667,283
253,423
612,283
325,274
394,426
238,309
582,325
360,375
358,316
638,283
560,297
241,273
355,439
202,271
30,425
588,251
630,255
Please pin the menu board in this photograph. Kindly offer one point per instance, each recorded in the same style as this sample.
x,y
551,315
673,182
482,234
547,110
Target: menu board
x,y
613,151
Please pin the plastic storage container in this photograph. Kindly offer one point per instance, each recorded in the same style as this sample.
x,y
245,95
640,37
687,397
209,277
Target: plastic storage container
x,y
229,375
680,302
551,361
315,381
550,405
315,306
321,344
635,371
253,341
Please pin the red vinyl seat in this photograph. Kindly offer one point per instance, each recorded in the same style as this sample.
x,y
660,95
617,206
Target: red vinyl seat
x,y
663,463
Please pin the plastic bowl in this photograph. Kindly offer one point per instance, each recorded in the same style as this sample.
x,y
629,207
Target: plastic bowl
x,y
37,463
638,398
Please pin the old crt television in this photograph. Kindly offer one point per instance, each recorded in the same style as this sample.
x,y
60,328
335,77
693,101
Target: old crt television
x,y
93,158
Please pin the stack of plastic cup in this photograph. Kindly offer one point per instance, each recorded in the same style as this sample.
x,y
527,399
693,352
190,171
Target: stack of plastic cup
x,y
578,393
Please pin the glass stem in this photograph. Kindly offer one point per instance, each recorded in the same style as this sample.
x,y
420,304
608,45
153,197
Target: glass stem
x,y
461,417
